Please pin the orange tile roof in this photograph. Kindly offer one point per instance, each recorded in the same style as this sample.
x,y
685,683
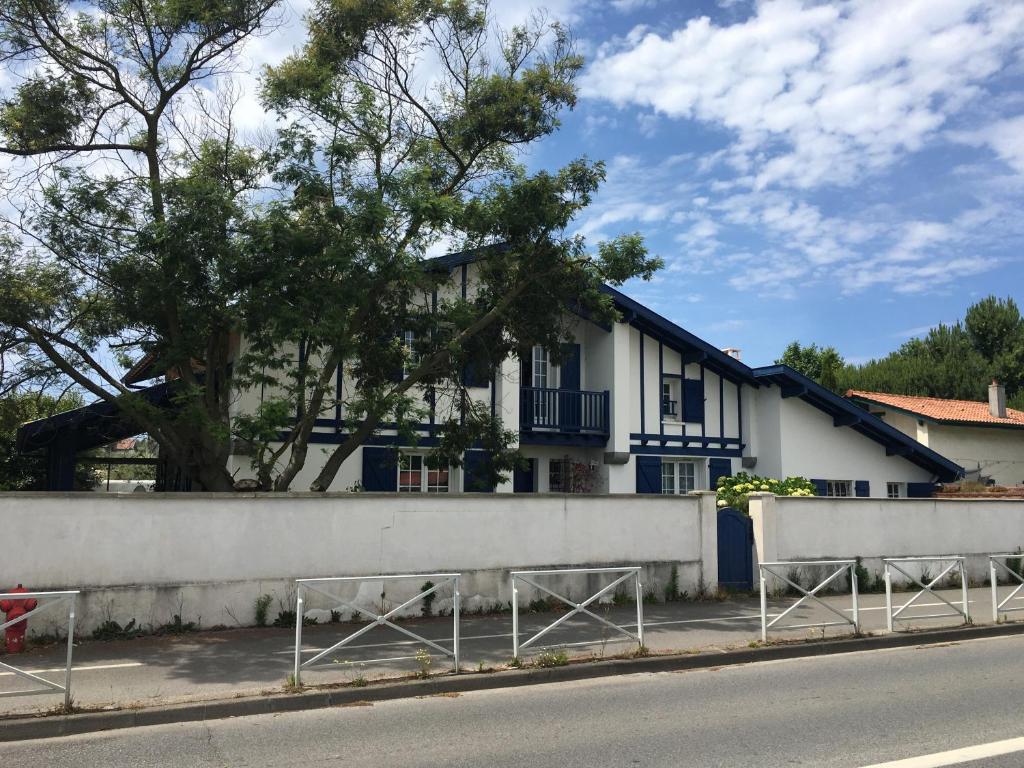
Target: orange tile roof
x,y
939,409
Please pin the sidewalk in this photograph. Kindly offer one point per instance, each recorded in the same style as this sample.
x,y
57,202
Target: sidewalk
x,y
202,666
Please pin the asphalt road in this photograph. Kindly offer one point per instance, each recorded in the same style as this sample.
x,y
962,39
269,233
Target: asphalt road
x,y
847,711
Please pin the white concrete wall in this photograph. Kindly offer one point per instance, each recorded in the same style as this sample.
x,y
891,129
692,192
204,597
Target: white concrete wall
x,y
790,528
208,557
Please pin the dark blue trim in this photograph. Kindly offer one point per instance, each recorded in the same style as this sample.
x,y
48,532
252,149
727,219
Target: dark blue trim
x,y
658,438
337,438
465,279
640,450
581,439
739,410
337,398
661,386
703,422
867,424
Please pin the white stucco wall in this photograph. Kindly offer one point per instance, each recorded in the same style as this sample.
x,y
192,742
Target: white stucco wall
x,y
990,452
813,447
207,557
788,528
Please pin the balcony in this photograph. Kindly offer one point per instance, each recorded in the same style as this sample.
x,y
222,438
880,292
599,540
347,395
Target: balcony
x,y
563,416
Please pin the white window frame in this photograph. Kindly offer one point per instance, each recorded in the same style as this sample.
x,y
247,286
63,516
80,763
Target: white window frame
x,y
407,460
899,488
670,390
672,483
833,486
411,358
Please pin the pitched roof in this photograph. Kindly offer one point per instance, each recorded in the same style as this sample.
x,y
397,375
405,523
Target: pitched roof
x,y
942,410
845,413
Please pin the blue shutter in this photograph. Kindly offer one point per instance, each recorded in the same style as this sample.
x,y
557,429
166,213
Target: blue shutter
x,y
920,490
570,406
570,369
862,488
524,479
693,401
380,470
476,465
820,487
648,474
718,468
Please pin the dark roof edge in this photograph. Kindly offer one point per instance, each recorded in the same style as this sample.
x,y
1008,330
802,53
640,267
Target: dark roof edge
x,y
885,434
720,360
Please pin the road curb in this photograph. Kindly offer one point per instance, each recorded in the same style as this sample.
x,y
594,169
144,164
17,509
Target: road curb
x,y
42,727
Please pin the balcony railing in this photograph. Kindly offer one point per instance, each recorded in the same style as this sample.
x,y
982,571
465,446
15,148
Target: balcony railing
x,y
563,410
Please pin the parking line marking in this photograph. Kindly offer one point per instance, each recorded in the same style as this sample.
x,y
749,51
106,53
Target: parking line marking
x,y
957,756
80,669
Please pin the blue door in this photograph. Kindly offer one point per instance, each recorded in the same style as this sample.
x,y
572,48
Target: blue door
x,y
735,550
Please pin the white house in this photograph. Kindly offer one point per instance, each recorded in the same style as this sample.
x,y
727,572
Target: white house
x,y
647,407
643,406
987,439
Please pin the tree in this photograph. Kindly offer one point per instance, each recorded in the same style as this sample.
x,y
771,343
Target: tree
x,y
134,188
405,119
996,329
147,230
955,361
822,364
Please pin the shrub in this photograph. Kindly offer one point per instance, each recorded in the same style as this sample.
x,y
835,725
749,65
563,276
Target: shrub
x,y
260,608
735,491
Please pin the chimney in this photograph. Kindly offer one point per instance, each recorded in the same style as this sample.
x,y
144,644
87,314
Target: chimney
x,y
732,352
997,400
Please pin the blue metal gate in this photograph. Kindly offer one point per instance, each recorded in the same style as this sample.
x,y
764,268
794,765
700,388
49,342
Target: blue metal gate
x,y
735,550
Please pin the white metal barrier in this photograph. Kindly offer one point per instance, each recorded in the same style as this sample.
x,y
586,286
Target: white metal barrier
x,y
955,563
993,565
840,567
527,577
51,599
376,620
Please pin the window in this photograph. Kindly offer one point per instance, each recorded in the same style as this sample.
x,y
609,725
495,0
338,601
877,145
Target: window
x,y
414,476
541,368
411,358
678,476
545,377
895,490
839,488
669,399
558,475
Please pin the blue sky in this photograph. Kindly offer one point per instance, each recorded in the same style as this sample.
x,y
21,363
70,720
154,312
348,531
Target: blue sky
x,y
844,173
848,172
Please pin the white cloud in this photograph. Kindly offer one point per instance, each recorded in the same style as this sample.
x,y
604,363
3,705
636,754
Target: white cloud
x,y
817,93
1004,137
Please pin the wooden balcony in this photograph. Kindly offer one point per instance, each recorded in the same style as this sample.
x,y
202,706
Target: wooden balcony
x,y
563,416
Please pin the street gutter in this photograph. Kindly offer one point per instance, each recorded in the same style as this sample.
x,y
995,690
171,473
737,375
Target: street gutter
x,y
51,726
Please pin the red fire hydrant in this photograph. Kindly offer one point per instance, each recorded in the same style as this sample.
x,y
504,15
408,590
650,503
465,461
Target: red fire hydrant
x,y
15,635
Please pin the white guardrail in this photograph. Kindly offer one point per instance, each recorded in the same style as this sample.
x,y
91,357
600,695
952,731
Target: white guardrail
x,y
838,567
46,601
955,563
994,567
528,577
376,619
